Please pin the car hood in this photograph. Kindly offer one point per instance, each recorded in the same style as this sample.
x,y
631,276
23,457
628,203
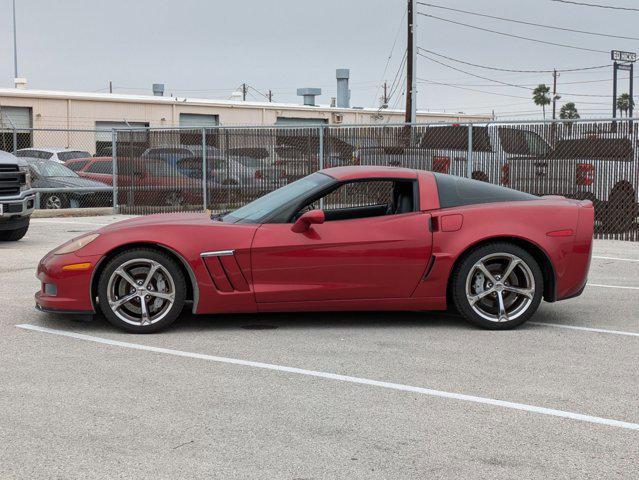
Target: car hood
x,y
188,234
66,182
162,219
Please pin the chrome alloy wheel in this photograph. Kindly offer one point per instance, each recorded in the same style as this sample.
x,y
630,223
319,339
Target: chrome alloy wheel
x,y
53,202
500,287
141,292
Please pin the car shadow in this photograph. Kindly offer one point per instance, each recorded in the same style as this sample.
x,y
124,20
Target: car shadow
x,y
272,321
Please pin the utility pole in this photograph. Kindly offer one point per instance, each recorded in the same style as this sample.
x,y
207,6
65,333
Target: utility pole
x,y
385,96
244,92
411,51
110,86
15,43
615,65
270,95
554,93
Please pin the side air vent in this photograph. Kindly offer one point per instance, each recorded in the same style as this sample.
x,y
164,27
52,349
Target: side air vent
x,y
225,271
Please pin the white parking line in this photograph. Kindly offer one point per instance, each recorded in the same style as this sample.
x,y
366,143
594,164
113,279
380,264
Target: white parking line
x,y
586,329
623,287
344,378
617,258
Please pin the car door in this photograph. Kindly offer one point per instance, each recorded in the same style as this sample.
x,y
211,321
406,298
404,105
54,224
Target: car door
x,y
359,258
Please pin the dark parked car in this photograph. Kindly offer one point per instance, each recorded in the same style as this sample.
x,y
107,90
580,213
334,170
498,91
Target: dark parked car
x,y
71,190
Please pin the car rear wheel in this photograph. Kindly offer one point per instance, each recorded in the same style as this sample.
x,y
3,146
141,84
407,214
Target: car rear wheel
x,y
141,291
498,286
54,201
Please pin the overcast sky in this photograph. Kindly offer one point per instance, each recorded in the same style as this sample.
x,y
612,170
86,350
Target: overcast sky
x,y
207,48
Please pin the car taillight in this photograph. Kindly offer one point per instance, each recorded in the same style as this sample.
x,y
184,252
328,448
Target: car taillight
x,y
505,174
258,174
585,174
441,164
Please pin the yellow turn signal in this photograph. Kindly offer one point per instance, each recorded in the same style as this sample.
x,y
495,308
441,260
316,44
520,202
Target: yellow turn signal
x,y
77,266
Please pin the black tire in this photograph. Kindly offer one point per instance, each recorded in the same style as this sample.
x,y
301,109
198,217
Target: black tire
x,y
13,235
621,210
54,201
169,312
467,266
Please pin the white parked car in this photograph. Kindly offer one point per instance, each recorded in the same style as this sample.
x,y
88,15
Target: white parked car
x,y
59,155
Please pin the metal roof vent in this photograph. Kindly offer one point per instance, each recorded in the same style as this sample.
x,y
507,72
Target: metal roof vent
x,y
343,93
158,89
309,95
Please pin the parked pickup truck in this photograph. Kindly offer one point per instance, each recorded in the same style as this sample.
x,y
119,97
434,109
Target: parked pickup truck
x,y
17,199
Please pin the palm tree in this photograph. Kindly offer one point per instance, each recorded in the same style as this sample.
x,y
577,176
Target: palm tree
x,y
569,112
623,103
541,98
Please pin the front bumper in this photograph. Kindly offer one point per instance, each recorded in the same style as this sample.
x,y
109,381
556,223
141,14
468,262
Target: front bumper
x,y
17,206
65,291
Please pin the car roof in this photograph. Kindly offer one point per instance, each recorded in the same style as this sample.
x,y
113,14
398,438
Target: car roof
x,y
354,173
52,149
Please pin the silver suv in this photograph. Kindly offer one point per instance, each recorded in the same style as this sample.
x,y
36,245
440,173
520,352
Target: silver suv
x,y
17,199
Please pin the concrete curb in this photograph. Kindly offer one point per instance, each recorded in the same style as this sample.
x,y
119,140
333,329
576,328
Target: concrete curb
x,y
73,212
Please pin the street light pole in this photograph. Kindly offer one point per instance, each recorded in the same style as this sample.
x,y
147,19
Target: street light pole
x,y
15,45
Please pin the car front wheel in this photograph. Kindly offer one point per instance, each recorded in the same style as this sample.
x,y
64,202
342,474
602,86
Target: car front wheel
x,y
498,286
141,291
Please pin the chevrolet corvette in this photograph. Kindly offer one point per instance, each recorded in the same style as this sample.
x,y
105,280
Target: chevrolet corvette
x,y
341,239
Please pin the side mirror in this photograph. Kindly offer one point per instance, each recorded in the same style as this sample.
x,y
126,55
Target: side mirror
x,y
303,223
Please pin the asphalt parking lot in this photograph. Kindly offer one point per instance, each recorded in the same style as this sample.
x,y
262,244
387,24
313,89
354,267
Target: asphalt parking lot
x,y
326,395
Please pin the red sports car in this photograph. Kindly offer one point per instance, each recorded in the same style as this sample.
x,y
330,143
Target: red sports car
x,y
346,238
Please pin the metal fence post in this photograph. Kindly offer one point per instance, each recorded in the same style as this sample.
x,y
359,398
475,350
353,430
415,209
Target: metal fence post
x,y
204,172
15,140
114,154
469,154
321,158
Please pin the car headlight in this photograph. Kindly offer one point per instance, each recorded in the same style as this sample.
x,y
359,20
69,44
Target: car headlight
x,y
76,244
27,179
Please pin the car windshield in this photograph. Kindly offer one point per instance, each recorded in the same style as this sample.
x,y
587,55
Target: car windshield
x,y
263,206
52,169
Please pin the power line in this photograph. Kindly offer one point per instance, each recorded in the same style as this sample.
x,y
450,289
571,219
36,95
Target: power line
x,y
596,5
522,22
424,80
390,56
503,83
513,70
574,47
394,85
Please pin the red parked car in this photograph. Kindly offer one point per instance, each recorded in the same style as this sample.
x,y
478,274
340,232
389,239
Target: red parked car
x,y
141,181
346,238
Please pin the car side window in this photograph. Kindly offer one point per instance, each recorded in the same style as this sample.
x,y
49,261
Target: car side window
x,y
100,167
362,199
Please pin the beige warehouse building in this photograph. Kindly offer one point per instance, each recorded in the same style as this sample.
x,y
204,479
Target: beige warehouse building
x,y
101,112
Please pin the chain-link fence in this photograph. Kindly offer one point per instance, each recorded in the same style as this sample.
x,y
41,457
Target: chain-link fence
x,y
142,170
